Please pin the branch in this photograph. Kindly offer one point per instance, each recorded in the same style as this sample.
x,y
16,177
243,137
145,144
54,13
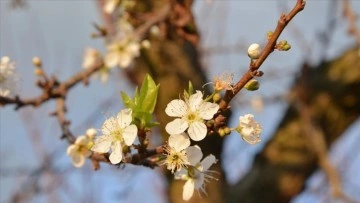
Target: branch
x,y
269,48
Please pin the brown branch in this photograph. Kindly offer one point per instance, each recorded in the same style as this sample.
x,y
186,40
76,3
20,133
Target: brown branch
x,y
52,89
136,159
269,48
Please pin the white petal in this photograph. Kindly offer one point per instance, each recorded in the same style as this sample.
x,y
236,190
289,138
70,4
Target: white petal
x,y
179,142
78,160
207,110
72,149
110,6
102,144
133,48
199,181
176,126
81,140
176,108
197,131
194,155
109,126
125,59
129,134
195,100
116,153
207,162
91,132
188,189
111,59
124,117
253,139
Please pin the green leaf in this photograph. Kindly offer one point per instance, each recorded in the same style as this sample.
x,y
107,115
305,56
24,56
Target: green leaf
x,y
128,102
148,94
191,88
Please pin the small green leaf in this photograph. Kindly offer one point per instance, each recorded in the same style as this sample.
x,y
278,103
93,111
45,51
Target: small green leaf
x,y
148,94
127,100
191,88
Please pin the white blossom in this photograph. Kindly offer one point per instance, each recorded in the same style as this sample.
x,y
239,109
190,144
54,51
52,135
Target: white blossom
x,y
122,52
249,129
110,6
8,77
223,82
197,173
117,132
176,152
80,150
191,115
254,51
92,58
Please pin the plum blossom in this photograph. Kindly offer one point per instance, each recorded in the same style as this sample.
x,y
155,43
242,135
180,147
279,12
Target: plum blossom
x,y
122,52
8,77
249,129
191,115
223,82
93,58
197,173
118,132
176,152
80,150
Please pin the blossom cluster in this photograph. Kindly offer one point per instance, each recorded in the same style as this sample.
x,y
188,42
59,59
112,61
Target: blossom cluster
x,y
8,77
191,114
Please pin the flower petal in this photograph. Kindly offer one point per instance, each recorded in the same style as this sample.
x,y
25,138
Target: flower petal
x,y
125,59
188,189
176,126
72,149
197,131
194,155
207,162
78,160
179,142
102,144
207,110
109,126
81,140
111,59
176,108
124,118
195,100
253,139
116,153
199,180
129,134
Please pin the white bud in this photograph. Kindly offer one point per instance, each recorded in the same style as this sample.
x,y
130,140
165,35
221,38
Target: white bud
x,y
91,132
145,44
254,51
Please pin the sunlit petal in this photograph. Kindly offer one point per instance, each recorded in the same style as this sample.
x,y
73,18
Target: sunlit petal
x,y
116,153
109,126
207,110
207,162
188,189
195,100
197,131
176,108
179,142
102,144
129,134
176,126
124,117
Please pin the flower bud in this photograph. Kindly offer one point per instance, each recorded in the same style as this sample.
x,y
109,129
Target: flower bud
x,y
216,97
221,132
254,51
227,130
91,132
37,62
286,47
38,71
252,85
269,34
145,44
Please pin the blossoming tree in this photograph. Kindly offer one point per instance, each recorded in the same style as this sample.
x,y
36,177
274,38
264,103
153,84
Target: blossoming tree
x,y
192,114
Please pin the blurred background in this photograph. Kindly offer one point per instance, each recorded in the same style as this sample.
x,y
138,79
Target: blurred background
x,y
34,166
